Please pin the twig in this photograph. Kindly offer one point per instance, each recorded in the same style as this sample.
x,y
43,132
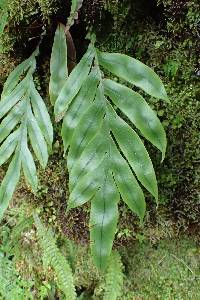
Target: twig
x,y
160,261
182,261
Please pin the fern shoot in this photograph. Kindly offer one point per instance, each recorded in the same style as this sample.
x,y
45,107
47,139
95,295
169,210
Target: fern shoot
x,y
53,257
113,277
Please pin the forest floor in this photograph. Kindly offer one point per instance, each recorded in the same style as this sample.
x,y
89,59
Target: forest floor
x,y
168,271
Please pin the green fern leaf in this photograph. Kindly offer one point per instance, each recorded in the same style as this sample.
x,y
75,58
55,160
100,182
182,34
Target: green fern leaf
x,y
58,64
37,139
134,72
73,84
53,257
103,218
96,137
23,114
86,129
139,113
9,182
9,146
16,74
29,167
79,106
41,115
135,152
127,184
84,178
113,278
13,98
12,119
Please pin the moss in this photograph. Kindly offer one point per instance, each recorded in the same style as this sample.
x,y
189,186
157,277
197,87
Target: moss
x,y
86,276
27,20
168,271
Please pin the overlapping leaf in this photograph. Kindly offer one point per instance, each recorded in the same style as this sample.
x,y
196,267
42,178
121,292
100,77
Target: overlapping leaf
x,y
24,117
105,155
139,112
72,86
79,105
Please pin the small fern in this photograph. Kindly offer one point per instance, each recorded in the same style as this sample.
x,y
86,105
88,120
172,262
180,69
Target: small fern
x,y
24,118
11,286
104,153
113,278
53,257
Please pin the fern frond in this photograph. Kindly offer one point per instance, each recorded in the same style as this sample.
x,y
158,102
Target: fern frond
x,y
96,137
9,282
53,257
58,62
24,118
113,278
